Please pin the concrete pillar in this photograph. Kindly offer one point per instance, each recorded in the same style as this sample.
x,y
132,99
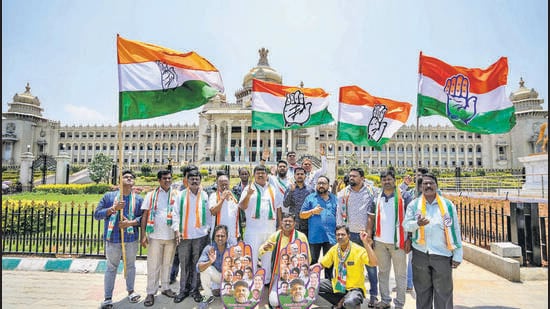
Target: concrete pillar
x,y
228,152
25,173
273,149
61,168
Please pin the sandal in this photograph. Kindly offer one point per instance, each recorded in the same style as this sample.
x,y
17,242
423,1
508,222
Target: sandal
x,y
134,297
107,304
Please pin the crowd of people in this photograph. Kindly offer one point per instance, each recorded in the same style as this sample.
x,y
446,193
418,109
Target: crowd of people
x,y
234,242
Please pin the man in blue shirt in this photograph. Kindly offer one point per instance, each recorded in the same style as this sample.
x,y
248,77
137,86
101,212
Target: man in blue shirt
x,y
319,209
121,210
210,263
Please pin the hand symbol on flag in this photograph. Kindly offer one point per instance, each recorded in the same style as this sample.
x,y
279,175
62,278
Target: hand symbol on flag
x,y
168,76
296,110
377,125
459,105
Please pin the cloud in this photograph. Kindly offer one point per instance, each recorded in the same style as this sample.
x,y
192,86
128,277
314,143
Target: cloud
x,y
83,114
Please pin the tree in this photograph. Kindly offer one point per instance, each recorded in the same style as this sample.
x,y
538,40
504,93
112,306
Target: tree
x,y
100,168
146,170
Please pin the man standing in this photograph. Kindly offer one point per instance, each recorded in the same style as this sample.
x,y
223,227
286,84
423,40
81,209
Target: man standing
x,y
244,175
347,289
280,182
176,260
225,209
312,176
437,245
294,198
278,241
391,242
258,201
354,201
320,209
121,211
157,231
292,164
192,230
210,262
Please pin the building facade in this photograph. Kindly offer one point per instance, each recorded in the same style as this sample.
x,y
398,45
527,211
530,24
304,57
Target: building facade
x,y
224,136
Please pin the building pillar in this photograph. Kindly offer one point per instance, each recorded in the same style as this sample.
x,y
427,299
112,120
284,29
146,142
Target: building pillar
x,y
273,148
283,145
228,151
243,145
290,140
218,144
258,148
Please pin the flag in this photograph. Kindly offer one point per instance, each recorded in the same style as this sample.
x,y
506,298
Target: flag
x,y
367,120
473,99
276,106
156,81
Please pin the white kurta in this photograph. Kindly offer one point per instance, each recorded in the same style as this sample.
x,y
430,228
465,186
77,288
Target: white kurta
x,y
259,229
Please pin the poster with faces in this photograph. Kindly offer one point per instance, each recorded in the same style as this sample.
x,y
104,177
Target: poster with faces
x,y
297,283
242,285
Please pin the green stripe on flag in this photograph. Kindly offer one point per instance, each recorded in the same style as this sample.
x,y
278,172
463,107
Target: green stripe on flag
x,y
274,121
156,103
492,122
358,135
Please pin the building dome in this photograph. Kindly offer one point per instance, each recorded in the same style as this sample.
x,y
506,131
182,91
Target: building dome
x,y
262,71
523,93
26,97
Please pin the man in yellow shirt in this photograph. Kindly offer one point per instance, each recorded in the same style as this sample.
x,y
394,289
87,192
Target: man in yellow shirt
x,y
347,289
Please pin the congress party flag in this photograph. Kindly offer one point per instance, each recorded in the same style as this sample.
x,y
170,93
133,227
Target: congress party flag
x,y
156,81
368,120
275,106
473,99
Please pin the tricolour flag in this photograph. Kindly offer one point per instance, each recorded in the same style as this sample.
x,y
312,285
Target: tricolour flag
x,y
473,99
156,81
367,120
276,106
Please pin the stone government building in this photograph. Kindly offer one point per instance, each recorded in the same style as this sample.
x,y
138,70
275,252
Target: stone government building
x,y
224,136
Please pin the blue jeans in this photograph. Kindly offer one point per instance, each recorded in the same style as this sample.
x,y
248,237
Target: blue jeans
x,y
372,272
410,284
113,253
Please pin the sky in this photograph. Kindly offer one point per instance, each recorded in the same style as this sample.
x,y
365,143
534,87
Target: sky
x,y
66,49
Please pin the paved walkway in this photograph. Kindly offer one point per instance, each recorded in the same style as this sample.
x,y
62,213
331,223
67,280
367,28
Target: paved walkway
x,y
32,283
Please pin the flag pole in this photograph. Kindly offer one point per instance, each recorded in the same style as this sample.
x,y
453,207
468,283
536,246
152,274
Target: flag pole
x,y
121,197
120,179
416,153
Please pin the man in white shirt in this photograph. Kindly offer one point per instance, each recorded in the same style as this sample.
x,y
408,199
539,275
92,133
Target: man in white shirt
x,y
224,208
157,233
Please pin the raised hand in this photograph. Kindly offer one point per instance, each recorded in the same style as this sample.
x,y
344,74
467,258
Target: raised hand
x,y
266,153
460,106
296,110
377,125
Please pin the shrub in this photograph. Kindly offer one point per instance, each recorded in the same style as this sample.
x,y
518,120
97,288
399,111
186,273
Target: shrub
x,y
25,216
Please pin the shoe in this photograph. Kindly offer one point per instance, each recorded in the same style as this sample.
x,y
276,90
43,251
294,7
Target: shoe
x,y
373,300
207,300
169,293
149,300
107,304
134,297
382,305
180,297
198,298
